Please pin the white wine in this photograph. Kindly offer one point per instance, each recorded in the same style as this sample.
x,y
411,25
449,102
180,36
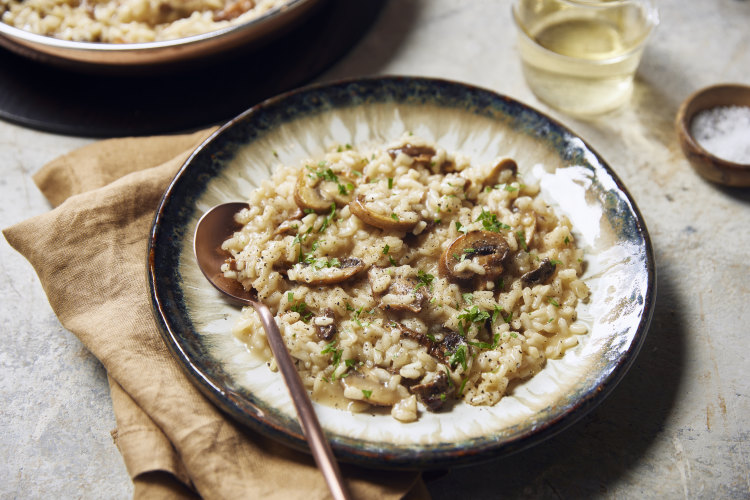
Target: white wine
x,y
583,38
582,61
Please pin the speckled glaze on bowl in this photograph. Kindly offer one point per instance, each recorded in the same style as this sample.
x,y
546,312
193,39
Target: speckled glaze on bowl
x,y
619,266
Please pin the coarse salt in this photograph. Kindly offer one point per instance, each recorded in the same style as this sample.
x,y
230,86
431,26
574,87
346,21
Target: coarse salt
x,y
724,131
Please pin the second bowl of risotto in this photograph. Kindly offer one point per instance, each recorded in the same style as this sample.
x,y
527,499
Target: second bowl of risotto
x,y
140,33
456,275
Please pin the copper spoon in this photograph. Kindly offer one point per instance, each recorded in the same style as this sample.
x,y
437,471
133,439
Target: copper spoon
x,y
213,228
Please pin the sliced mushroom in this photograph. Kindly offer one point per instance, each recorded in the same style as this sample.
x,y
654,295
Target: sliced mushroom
x,y
485,248
539,275
439,350
422,156
289,224
365,385
303,272
404,293
325,325
310,192
505,170
387,223
433,394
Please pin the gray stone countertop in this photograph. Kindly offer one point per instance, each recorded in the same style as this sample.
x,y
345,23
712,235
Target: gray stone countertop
x,y
677,425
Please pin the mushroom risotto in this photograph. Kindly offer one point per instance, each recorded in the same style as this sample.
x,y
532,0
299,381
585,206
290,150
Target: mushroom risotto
x,y
129,21
406,275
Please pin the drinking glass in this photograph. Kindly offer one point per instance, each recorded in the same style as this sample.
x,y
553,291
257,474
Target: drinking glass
x,y
580,56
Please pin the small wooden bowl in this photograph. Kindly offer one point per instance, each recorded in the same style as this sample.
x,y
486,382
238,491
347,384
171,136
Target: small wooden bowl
x,y
709,166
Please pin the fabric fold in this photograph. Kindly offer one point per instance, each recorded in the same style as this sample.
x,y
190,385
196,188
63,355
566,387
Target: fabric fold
x,y
90,253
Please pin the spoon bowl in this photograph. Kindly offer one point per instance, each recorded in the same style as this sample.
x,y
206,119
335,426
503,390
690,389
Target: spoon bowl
x,y
214,227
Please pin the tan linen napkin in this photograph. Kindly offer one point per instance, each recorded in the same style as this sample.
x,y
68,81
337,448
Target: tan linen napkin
x,y
89,253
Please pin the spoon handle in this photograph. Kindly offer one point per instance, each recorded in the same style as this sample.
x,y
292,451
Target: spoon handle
x,y
317,441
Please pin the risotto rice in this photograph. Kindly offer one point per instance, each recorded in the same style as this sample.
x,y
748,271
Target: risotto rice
x,y
407,278
129,21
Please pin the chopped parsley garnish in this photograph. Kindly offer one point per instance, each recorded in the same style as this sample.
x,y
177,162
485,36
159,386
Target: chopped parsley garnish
x,y
390,182
350,362
394,216
392,261
300,308
566,240
326,174
468,297
438,221
300,239
336,357
485,345
510,188
366,393
385,249
318,264
555,262
460,228
490,223
553,302
522,240
496,312
463,384
357,313
469,317
328,218
336,354
424,280
329,347
431,337
459,356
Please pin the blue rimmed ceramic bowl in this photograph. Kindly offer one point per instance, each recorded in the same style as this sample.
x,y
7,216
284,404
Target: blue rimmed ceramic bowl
x,y
196,322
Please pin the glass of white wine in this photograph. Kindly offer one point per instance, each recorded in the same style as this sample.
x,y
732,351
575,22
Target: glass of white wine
x,y
580,56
